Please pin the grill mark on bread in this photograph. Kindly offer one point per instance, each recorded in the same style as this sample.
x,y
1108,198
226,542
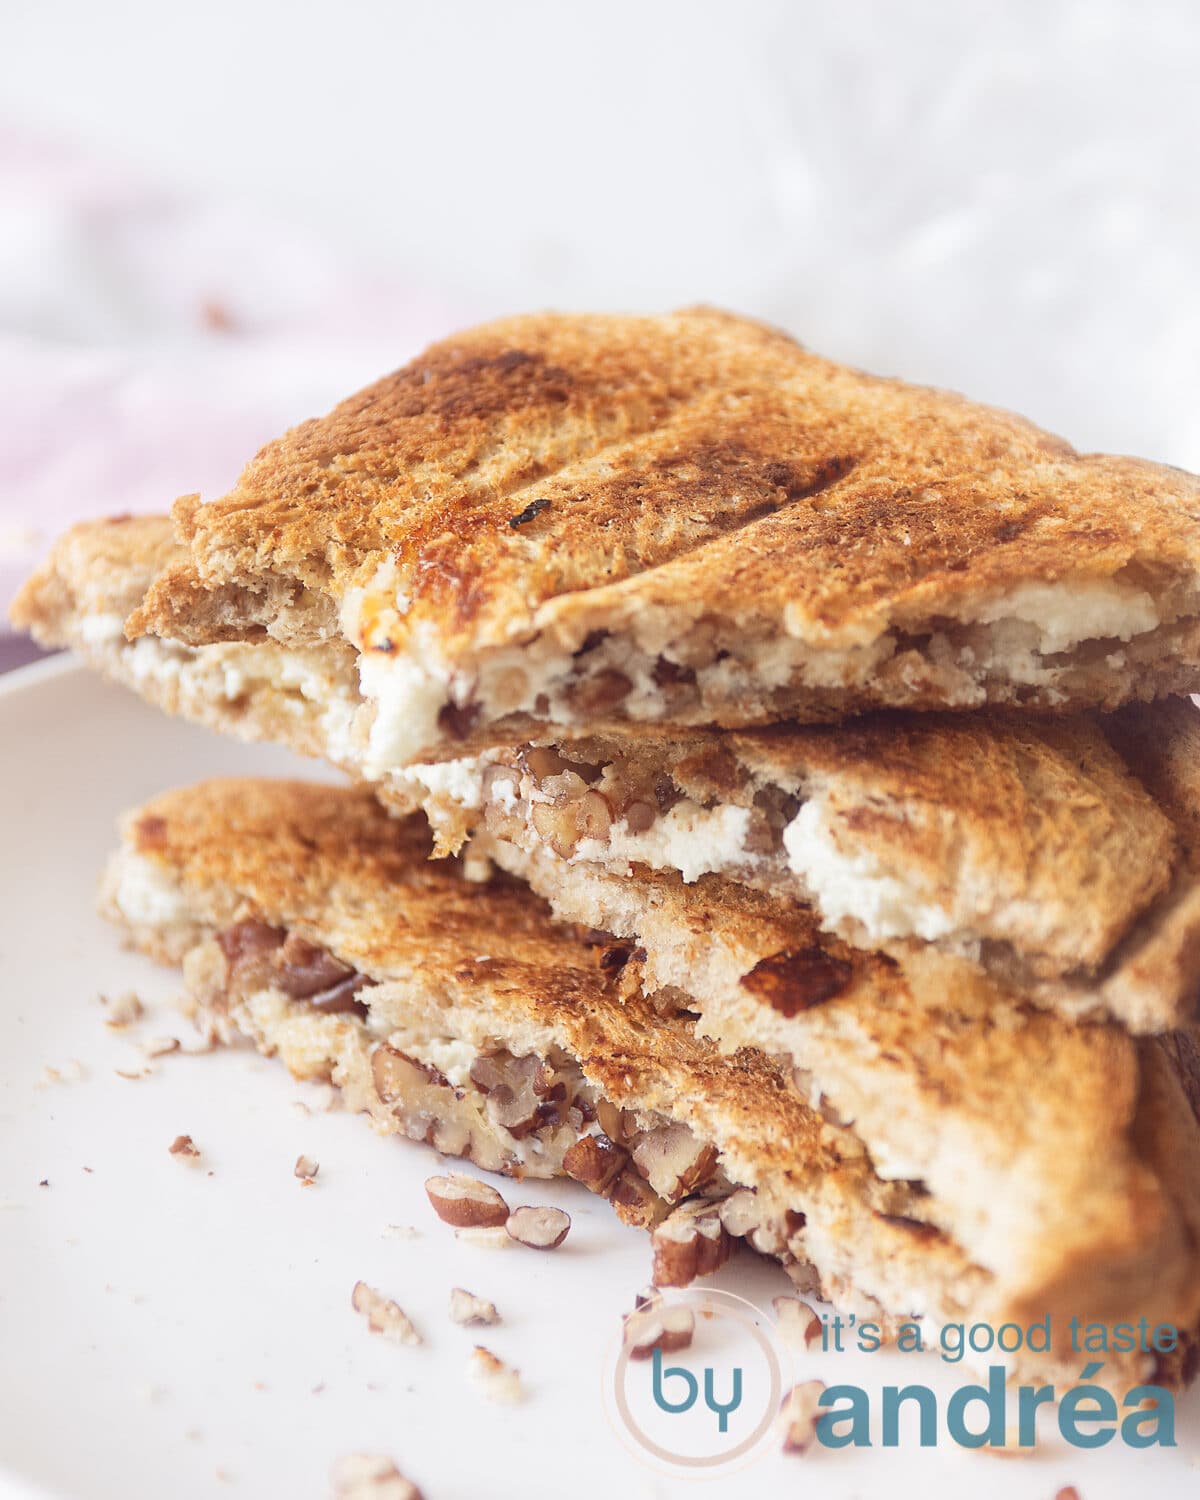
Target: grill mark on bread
x,y
894,506
487,402
99,570
639,485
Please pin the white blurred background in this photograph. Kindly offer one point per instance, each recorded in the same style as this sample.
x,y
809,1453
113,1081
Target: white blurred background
x,y
216,219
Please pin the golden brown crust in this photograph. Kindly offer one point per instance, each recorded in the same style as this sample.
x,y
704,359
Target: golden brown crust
x,y
553,477
96,569
1040,1142
1030,833
946,1076
1041,812
1163,751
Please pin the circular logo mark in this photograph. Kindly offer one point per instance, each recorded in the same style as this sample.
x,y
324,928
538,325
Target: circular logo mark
x,y
704,1406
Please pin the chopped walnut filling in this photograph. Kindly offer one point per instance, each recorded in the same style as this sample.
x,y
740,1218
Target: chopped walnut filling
x,y
644,1165
529,1115
529,1094
611,810
264,957
691,1241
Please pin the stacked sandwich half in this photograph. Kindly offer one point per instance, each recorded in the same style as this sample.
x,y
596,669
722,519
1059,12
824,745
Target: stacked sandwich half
x,y
773,804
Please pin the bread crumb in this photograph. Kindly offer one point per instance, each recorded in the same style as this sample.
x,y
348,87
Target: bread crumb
x,y
485,1236
72,1071
123,1010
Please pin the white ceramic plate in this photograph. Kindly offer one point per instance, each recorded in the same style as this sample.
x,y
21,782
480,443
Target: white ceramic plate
x,y
167,1332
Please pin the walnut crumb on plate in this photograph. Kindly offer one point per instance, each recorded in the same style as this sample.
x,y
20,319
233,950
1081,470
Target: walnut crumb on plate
x,y
497,1381
370,1476
383,1315
186,1149
467,1308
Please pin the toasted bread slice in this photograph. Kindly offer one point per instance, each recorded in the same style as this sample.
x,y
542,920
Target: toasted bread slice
x,y
304,697
566,521
1022,844
1011,1165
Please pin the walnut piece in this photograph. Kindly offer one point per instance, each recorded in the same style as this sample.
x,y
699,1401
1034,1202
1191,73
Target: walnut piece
x,y
655,1324
465,1201
673,1161
466,1308
799,1326
497,1381
595,1161
607,1169
185,1149
799,1414
370,1476
383,1315
397,1077
539,1228
691,1241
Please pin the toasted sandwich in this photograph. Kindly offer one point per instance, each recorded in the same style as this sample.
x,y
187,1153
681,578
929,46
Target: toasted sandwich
x,y
553,523
1002,1167
1022,845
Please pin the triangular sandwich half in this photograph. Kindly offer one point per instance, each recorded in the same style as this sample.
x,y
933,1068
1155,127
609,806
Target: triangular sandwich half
x,y
570,521
1023,845
1061,1159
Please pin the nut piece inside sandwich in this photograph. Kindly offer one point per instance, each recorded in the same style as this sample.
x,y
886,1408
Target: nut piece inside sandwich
x,y
259,955
691,1241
